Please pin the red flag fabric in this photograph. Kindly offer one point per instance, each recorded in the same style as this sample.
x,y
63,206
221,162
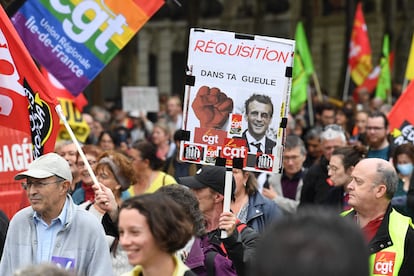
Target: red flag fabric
x,y
25,101
359,58
401,117
370,83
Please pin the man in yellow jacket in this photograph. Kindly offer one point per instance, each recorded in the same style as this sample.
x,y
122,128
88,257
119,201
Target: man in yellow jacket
x,y
389,234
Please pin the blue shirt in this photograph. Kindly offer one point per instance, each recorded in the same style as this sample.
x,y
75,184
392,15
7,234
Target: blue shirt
x,y
46,234
382,153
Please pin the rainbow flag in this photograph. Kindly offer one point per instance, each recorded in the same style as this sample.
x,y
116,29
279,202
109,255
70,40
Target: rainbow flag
x,y
74,40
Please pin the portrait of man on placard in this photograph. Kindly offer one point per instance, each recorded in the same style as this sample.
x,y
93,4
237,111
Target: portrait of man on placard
x,y
258,114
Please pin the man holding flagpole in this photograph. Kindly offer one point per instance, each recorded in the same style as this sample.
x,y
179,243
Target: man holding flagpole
x,y
53,229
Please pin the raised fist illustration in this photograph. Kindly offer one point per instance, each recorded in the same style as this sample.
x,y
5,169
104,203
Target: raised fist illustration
x,y
212,107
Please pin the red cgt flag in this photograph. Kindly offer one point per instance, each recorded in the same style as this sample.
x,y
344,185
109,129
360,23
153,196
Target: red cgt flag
x,y
401,117
25,101
359,58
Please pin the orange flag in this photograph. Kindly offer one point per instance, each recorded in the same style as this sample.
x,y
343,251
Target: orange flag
x,y
359,58
25,101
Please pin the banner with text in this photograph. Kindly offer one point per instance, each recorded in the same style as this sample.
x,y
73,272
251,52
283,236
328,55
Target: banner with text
x,y
237,99
74,40
15,156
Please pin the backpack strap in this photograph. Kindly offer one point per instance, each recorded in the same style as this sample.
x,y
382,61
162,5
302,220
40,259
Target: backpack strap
x,y
209,263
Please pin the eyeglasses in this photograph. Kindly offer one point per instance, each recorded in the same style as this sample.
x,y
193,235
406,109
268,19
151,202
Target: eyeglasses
x,y
38,184
291,158
332,168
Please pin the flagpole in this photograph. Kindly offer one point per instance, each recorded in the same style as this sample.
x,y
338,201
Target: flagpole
x,y
62,117
317,86
405,83
346,85
310,108
409,73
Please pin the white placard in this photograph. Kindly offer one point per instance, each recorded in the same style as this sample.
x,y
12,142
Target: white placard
x,y
140,98
227,72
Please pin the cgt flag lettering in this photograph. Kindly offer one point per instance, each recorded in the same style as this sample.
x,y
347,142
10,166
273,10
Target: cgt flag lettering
x,y
74,40
25,101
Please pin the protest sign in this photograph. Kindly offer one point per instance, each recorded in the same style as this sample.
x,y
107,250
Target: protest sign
x,y
237,99
140,98
15,156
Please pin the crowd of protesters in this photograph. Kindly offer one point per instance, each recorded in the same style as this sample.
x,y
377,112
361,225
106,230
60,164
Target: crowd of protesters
x,y
162,216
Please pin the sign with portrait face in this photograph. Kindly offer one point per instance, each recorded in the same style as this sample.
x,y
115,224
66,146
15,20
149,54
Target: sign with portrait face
x,y
237,98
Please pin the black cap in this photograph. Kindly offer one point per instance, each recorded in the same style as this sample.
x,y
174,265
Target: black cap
x,y
213,177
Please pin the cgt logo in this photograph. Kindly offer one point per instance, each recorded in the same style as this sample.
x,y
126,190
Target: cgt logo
x,y
230,152
384,263
233,148
41,120
209,136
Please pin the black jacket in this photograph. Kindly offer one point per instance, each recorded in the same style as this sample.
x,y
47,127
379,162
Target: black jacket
x,y
315,186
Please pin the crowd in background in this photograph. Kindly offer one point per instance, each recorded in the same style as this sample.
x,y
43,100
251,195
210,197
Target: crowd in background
x,y
135,157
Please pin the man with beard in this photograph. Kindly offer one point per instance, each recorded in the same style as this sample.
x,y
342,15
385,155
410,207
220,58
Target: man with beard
x,y
377,136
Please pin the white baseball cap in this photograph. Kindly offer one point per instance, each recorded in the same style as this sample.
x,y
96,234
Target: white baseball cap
x,y
45,166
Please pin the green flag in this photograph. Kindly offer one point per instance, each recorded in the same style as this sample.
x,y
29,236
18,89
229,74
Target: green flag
x,y
384,81
302,70
303,49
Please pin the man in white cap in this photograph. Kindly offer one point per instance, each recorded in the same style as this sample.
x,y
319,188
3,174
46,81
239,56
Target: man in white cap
x,y
53,229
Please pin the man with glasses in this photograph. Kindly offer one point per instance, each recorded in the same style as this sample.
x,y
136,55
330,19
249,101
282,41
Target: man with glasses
x,y
53,229
316,183
285,189
259,113
377,136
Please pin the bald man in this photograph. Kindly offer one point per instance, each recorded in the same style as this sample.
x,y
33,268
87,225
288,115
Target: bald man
x,y
390,235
